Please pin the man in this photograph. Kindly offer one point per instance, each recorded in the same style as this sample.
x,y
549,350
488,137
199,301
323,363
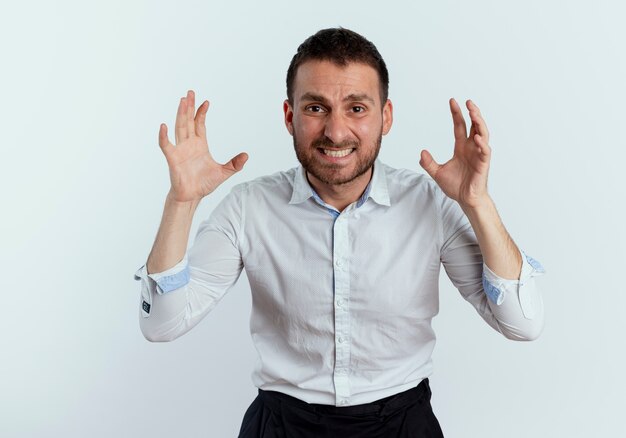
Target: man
x,y
342,253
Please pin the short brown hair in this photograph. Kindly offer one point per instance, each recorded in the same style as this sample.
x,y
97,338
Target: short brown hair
x,y
340,46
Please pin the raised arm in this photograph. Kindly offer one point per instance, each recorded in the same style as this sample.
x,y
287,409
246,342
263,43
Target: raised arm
x,y
177,293
508,299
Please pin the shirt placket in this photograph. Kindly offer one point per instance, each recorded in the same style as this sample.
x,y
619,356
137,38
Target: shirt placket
x,y
341,268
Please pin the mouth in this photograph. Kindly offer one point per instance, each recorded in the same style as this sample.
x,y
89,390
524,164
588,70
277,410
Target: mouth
x,y
336,153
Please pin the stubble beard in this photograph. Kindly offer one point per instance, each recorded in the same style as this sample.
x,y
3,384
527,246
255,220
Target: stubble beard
x,y
330,173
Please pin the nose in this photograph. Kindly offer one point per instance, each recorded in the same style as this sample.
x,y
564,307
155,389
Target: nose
x,y
336,128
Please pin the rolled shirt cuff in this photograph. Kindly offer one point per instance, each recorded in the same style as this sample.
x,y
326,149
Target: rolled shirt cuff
x,y
169,280
496,287
161,282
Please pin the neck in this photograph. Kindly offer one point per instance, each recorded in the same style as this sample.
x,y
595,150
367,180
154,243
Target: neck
x,y
341,195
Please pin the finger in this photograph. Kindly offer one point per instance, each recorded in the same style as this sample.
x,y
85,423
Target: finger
x,y
191,109
201,118
472,108
180,131
428,163
472,132
460,128
483,148
478,123
236,163
164,142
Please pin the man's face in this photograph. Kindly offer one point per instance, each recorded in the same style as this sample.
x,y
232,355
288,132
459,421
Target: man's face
x,y
337,120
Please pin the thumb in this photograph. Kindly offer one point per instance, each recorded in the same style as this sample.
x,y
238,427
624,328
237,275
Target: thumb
x,y
236,163
428,163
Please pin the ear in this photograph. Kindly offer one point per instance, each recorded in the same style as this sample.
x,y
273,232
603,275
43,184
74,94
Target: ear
x,y
387,117
288,111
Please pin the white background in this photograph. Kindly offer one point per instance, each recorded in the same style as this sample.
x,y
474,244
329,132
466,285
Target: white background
x,y
84,88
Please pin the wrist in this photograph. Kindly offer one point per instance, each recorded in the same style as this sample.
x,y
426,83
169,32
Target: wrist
x,y
172,202
478,205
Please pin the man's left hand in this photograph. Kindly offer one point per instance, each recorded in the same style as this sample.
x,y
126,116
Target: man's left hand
x,y
464,177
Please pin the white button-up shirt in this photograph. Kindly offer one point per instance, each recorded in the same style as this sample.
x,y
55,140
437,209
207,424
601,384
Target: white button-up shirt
x,y
342,302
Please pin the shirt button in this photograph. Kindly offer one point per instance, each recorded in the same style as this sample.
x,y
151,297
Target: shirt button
x,y
339,263
340,302
343,401
340,340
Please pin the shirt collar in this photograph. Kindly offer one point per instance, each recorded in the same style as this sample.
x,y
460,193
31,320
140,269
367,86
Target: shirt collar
x,y
376,189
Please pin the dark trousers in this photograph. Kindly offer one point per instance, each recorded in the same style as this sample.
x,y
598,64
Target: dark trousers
x,y
407,414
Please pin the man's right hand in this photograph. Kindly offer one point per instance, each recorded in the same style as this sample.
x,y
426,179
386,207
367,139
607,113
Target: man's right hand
x,y
193,171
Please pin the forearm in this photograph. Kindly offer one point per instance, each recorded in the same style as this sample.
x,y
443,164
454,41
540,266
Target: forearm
x,y
170,244
499,251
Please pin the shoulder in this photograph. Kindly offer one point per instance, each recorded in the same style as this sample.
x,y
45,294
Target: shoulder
x,y
264,191
408,187
278,184
402,182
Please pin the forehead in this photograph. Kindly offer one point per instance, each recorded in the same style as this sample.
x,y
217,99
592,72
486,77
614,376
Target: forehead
x,y
335,81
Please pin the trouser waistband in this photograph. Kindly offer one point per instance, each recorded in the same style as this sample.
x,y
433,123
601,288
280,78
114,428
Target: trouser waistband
x,y
384,406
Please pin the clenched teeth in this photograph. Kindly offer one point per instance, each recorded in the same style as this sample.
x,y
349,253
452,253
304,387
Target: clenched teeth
x,y
337,154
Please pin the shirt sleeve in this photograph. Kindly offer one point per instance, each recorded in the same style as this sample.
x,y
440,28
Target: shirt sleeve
x,y
174,301
512,307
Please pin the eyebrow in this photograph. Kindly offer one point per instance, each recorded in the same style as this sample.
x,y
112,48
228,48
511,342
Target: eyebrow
x,y
349,98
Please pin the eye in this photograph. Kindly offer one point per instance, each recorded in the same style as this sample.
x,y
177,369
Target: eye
x,y
314,108
358,109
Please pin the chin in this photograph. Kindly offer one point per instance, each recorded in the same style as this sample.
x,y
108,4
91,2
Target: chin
x,y
335,177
